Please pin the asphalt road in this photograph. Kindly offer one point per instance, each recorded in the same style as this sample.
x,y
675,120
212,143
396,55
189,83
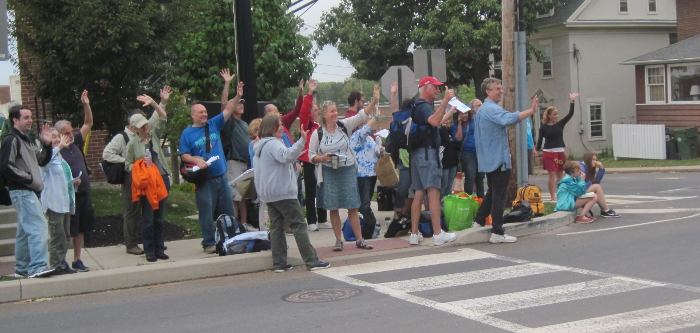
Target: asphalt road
x,y
637,273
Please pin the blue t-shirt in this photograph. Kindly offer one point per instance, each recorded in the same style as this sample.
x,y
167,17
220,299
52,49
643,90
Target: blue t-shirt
x,y
192,142
251,153
530,141
469,146
421,113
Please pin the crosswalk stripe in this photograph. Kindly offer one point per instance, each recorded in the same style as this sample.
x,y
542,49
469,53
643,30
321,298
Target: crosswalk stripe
x,y
461,279
658,319
405,263
656,211
550,295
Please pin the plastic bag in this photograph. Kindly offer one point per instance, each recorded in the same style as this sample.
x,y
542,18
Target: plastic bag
x,y
460,211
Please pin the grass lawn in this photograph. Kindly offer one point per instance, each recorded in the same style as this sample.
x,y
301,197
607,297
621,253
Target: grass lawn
x,y
622,162
107,201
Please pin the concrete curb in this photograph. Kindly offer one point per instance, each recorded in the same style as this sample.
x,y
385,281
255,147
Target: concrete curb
x,y
144,275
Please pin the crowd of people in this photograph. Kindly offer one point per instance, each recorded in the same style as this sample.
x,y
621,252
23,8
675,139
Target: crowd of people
x,y
331,166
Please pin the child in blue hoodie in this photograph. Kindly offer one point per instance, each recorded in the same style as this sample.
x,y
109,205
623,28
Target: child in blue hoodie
x,y
571,187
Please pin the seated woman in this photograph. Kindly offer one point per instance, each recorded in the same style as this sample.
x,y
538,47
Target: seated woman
x,y
571,187
593,178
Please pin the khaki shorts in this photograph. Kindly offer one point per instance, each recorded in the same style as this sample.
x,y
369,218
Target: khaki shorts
x,y
233,170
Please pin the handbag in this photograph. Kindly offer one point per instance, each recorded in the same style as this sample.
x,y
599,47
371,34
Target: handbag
x,y
386,171
247,189
460,211
115,172
200,176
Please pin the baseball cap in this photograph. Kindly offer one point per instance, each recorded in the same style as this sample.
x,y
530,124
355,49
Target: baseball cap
x,y
429,80
138,120
241,101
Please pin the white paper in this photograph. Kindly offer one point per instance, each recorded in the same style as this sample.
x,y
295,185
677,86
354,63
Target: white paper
x,y
248,174
460,106
209,161
383,133
76,179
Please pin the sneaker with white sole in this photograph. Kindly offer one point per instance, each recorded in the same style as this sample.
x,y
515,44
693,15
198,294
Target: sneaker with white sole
x,y
609,213
415,239
338,245
249,228
496,238
312,227
320,265
444,237
362,244
285,268
44,272
19,275
324,225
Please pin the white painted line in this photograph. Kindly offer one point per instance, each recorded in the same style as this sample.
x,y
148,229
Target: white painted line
x,y
659,319
628,226
648,197
550,295
466,278
678,189
405,263
656,211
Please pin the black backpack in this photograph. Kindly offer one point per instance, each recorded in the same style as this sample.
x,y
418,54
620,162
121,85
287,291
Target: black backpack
x,y
227,227
115,172
521,212
319,131
404,133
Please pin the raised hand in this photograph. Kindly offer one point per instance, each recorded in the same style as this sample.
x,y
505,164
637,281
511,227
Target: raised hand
x,y
46,132
376,111
312,86
301,87
165,94
394,88
452,110
449,94
145,99
226,75
572,96
375,93
239,90
536,102
304,134
84,97
65,141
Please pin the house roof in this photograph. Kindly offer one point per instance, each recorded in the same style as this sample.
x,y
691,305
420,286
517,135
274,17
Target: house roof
x,y
683,51
562,12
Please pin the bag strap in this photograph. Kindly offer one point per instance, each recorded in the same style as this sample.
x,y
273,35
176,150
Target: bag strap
x,y
126,137
206,135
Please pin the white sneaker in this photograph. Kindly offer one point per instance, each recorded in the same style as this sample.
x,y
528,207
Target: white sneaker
x,y
312,227
495,238
415,239
324,225
444,237
249,228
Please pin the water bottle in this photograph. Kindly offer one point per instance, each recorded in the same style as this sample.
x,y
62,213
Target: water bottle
x,y
147,155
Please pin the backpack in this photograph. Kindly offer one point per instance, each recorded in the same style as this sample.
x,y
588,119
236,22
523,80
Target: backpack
x,y
226,227
529,192
319,131
115,172
520,213
398,227
385,198
201,175
404,133
5,199
425,224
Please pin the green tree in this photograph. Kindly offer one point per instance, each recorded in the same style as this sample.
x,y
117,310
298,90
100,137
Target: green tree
x,y
114,49
282,55
376,34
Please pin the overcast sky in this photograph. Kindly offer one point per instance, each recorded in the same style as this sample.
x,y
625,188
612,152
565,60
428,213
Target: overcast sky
x,y
329,65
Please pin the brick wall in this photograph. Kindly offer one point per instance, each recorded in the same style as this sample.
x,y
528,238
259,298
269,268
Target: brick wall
x,y
688,17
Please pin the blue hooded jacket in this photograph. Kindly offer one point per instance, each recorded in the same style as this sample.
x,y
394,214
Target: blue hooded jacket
x,y
569,189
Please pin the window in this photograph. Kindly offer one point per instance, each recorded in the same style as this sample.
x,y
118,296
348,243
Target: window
x,y
595,111
655,81
685,82
547,62
652,6
545,14
623,6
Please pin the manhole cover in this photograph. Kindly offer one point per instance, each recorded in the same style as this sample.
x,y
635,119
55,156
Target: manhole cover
x,y
321,295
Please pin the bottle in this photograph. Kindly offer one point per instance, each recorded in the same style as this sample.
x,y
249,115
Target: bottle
x,y
147,155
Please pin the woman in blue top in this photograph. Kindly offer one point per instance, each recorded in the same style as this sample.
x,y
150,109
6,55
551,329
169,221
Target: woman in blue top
x,y
571,188
463,131
592,179
367,152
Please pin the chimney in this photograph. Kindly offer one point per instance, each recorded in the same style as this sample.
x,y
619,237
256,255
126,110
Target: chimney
x,y
688,18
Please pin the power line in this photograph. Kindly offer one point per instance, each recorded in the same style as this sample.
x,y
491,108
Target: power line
x,y
335,66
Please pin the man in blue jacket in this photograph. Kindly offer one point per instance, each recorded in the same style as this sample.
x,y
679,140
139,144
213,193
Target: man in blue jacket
x,y
493,155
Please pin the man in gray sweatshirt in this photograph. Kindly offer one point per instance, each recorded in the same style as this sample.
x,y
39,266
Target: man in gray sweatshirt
x,y
20,159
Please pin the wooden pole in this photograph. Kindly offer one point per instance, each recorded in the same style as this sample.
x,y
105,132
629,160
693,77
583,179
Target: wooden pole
x,y
508,70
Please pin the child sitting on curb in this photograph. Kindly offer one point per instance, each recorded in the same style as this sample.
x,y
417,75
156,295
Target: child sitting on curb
x,y
571,187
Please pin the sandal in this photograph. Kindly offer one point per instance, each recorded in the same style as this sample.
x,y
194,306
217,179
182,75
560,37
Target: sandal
x,y
361,243
338,245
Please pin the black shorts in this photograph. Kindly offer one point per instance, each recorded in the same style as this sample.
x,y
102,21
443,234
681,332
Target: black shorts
x,y
84,218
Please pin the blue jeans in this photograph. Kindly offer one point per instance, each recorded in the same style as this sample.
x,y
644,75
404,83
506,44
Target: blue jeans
x,y
470,167
365,185
448,178
31,240
213,198
152,223
404,187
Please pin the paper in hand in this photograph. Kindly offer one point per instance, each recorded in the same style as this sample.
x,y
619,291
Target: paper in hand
x,y
76,179
383,133
460,106
209,162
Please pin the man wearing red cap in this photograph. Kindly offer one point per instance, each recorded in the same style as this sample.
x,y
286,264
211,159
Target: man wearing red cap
x,y
426,169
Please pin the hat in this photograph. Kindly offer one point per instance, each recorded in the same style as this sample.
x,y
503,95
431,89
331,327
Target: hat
x,y
429,80
138,120
241,101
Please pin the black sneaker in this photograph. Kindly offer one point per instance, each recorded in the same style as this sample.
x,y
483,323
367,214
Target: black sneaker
x,y
286,267
63,270
44,272
162,256
320,265
151,257
609,213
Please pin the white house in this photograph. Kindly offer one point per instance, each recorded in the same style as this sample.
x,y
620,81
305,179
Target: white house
x,y
584,42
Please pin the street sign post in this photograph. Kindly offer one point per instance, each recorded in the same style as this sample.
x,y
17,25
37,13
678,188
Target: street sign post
x,y
430,63
4,50
408,87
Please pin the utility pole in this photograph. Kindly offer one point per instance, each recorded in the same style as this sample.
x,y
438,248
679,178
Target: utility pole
x,y
521,96
245,65
508,70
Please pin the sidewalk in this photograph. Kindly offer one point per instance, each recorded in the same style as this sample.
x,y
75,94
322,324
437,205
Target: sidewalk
x,y
111,268
688,168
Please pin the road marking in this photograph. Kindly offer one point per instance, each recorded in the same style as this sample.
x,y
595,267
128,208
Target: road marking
x,y
659,319
550,295
627,226
678,189
466,278
657,211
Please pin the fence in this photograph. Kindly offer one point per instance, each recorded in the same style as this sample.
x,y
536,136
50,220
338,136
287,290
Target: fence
x,y
639,141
